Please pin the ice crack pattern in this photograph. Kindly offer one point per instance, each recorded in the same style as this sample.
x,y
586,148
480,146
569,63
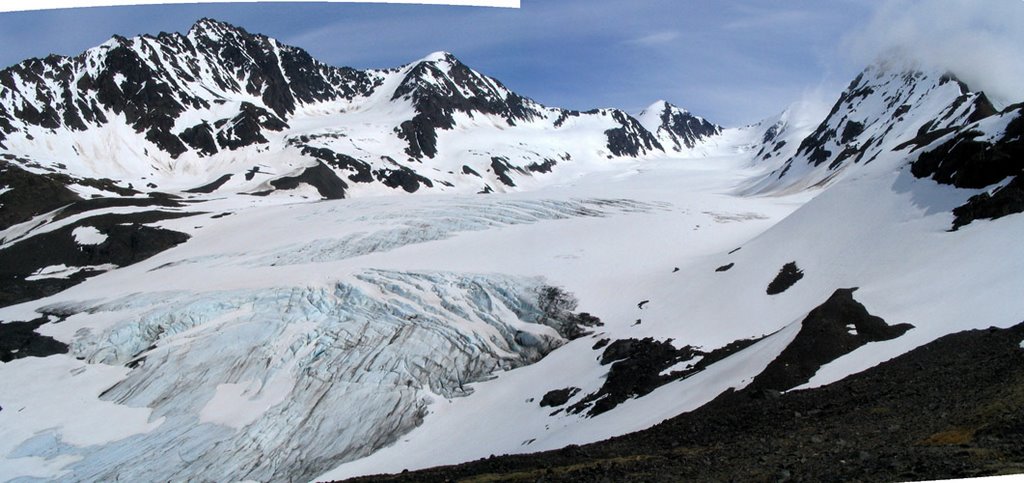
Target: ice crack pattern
x,y
446,219
278,384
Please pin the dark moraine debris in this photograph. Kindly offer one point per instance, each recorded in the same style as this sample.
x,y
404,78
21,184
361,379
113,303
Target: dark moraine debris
x,y
725,267
788,275
831,330
20,339
558,397
320,177
210,187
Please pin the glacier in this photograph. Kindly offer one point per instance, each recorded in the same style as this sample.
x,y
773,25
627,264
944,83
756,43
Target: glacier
x,y
270,384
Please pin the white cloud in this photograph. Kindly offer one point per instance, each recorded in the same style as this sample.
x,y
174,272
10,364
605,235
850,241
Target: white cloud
x,y
982,43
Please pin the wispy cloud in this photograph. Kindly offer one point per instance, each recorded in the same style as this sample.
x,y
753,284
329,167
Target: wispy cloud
x,y
657,38
764,18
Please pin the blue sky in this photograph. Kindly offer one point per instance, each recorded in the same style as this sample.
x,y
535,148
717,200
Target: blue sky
x,y
732,62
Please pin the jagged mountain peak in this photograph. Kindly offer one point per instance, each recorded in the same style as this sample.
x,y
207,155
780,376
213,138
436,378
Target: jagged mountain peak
x,y
889,106
215,29
676,128
442,70
662,105
439,56
208,101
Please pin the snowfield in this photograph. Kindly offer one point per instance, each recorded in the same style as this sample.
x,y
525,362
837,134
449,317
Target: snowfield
x,y
237,320
371,331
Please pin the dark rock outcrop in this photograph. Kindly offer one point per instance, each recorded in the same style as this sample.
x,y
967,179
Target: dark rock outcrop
x,y
966,162
328,184
833,329
639,366
558,397
128,240
788,275
20,339
631,139
26,194
212,186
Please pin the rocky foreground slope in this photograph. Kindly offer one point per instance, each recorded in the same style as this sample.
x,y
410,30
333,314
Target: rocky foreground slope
x,y
949,409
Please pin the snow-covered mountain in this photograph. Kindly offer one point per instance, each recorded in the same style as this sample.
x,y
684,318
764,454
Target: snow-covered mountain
x,y
221,109
887,107
168,259
675,128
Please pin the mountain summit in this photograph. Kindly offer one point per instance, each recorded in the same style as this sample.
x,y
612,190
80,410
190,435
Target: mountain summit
x,y
676,128
181,111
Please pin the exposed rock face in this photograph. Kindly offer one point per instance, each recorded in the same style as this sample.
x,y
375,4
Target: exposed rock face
x,y
873,116
833,329
318,176
558,397
970,158
675,128
439,87
631,139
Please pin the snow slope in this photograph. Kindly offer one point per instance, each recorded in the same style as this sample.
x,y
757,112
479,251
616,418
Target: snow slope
x,y
884,231
242,337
